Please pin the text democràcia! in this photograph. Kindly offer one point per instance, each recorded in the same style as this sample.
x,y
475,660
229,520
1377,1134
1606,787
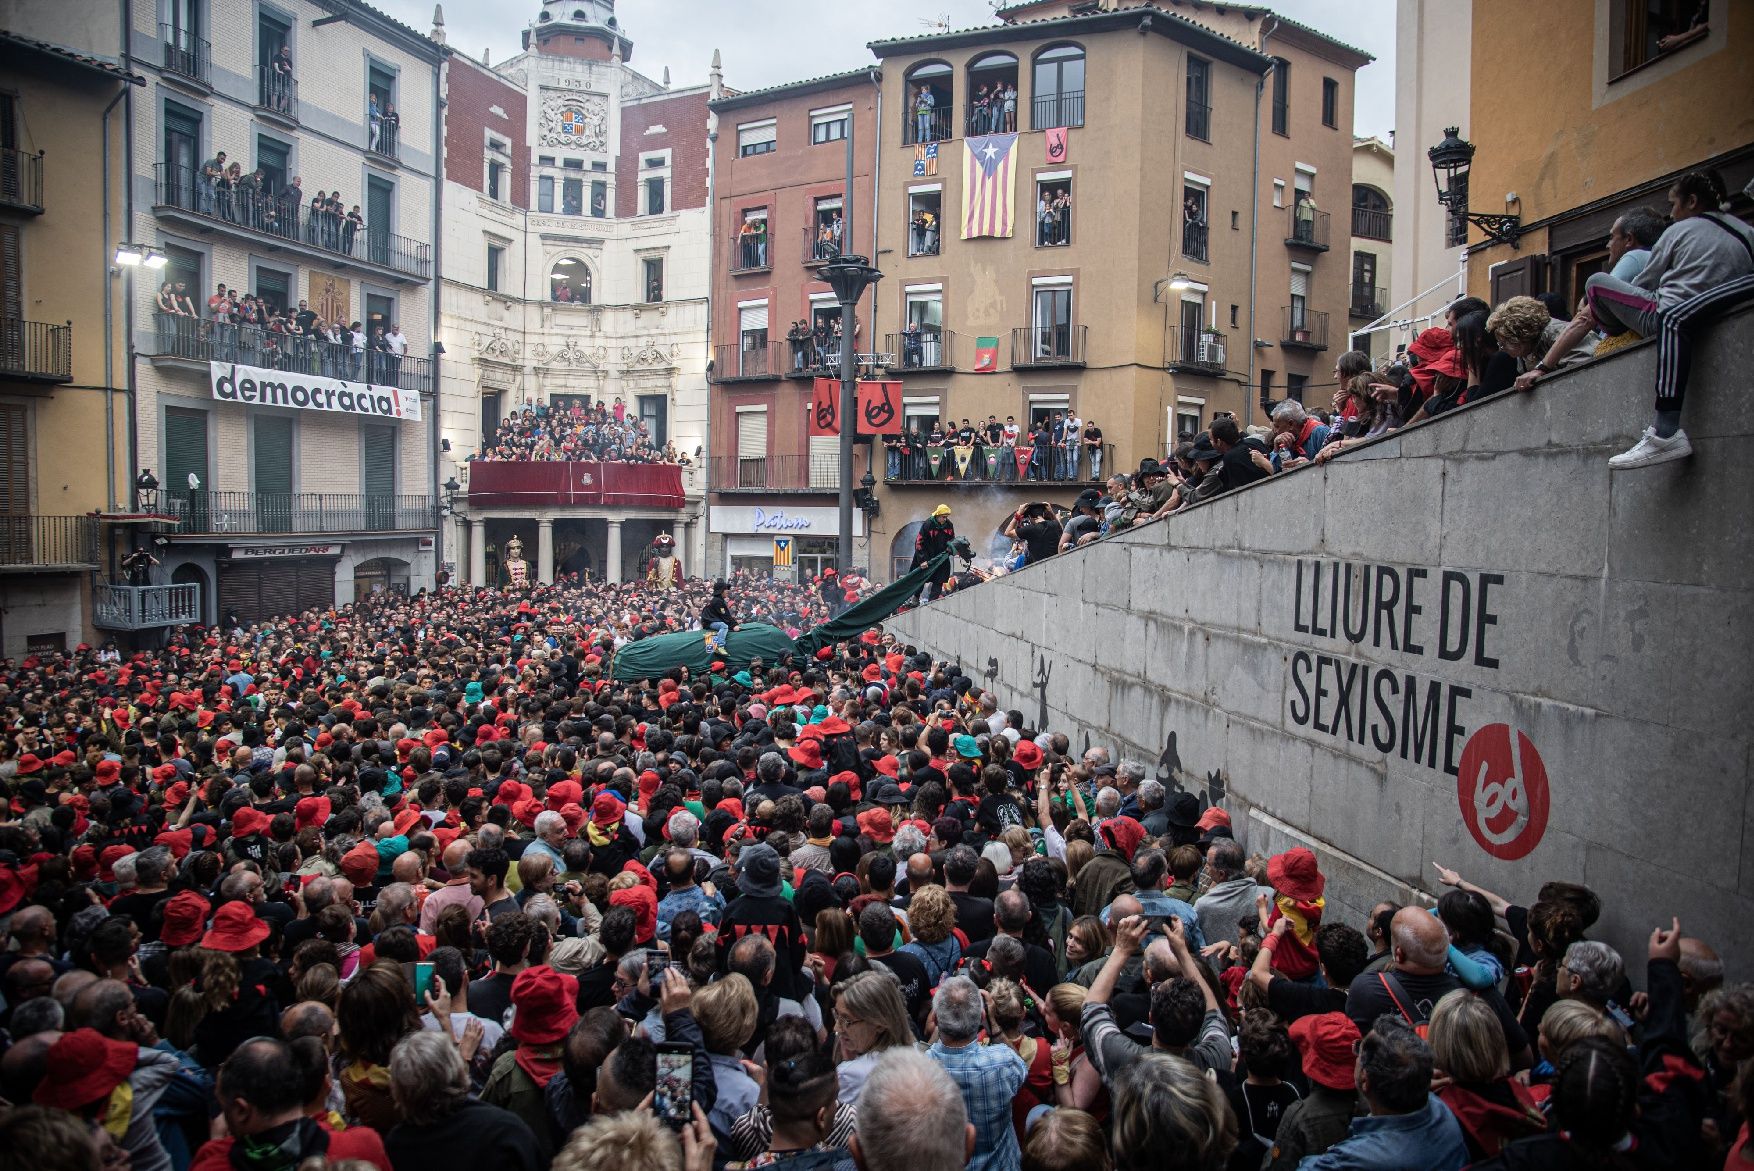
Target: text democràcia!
x,y
279,393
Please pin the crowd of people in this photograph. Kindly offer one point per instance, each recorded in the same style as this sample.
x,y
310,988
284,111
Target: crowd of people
x,y
269,202
418,882
599,431
254,330
1059,447
992,108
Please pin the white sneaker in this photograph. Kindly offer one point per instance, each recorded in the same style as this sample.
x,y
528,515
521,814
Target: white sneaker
x,y
1651,450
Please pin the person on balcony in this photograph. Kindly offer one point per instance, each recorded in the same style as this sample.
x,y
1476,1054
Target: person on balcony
x,y
375,119
1303,215
911,354
280,81
212,172
924,103
1093,444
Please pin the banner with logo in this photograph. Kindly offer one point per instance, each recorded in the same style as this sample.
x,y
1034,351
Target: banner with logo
x,y
1023,454
824,407
964,457
986,355
255,386
934,460
1056,143
879,408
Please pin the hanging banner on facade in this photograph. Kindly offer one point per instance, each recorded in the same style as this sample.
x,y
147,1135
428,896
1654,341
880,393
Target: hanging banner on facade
x,y
986,355
1056,143
935,460
253,385
1023,454
824,407
879,408
989,181
964,457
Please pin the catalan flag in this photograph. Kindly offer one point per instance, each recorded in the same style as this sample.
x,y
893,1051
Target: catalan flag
x,y
989,180
925,159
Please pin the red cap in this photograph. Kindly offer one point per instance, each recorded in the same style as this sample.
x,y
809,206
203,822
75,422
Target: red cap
x,y
1213,816
235,928
544,1000
807,753
360,864
311,811
834,726
1295,874
644,904
877,824
563,793
29,763
889,766
1027,754
1325,1042
83,1067
248,820
185,918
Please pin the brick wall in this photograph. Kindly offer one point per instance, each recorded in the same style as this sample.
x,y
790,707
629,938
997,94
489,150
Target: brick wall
x,y
681,119
472,95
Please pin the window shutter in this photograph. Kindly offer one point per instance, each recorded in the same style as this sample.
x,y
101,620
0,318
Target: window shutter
x,y
379,473
1299,282
825,461
752,435
14,461
754,317
11,273
185,449
273,454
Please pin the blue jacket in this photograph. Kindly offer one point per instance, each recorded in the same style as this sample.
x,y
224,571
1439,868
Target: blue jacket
x,y
1430,1138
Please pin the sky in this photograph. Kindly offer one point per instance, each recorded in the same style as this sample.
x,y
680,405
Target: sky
x,y
768,42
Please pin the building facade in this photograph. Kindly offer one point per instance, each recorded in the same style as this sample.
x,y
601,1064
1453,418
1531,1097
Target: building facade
x,y
60,394
1433,50
1373,234
575,272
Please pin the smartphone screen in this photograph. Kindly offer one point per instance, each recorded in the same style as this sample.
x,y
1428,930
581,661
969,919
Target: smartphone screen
x,y
656,963
675,1090
419,977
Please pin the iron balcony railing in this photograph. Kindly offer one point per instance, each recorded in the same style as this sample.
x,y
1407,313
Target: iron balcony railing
x,y
819,248
35,351
804,358
751,253
1308,227
925,237
1199,121
1195,237
186,54
1196,351
747,362
926,349
21,180
1305,328
990,119
1368,300
382,136
1048,345
276,92
202,340
1061,109
45,542
1371,224
146,607
780,473
285,215
913,461
201,511
924,126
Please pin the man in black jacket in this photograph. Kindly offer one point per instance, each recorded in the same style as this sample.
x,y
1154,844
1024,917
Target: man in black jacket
x,y
716,615
934,538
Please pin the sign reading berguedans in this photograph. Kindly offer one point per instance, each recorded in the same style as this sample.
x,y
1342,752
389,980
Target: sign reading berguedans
x,y
255,386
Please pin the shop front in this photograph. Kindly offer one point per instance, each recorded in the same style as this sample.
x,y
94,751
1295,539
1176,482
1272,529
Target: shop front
x,y
748,533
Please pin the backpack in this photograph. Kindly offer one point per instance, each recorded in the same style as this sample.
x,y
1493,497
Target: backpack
x,y
1398,993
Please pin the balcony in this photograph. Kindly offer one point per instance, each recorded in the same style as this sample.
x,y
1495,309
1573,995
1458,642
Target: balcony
x,y
1199,121
1370,224
939,466
182,339
181,194
1062,109
925,236
1308,227
1304,329
750,254
35,351
127,607
232,513
746,363
37,544
382,137
926,126
1047,345
529,484
186,55
803,360
927,350
1195,351
1368,301
1195,239
818,248
21,181
779,473
276,93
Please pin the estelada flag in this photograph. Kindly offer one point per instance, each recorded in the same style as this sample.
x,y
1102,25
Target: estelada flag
x,y
825,407
989,180
986,355
879,408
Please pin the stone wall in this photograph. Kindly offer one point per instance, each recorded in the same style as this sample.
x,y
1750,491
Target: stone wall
x,y
1359,657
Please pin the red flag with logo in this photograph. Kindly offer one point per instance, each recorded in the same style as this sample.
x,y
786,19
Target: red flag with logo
x,y
825,407
986,355
1023,454
1056,144
879,408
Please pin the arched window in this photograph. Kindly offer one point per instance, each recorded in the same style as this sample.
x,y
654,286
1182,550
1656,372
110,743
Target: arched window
x,y
1058,96
930,96
569,281
992,94
1371,217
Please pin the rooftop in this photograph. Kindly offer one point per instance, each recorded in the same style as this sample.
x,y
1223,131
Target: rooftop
x,y
88,61
1143,17
793,88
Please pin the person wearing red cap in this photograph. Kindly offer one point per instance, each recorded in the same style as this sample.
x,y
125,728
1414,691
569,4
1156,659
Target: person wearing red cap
x,y
263,1089
1298,883
112,1084
1325,1044
244,991
545,1009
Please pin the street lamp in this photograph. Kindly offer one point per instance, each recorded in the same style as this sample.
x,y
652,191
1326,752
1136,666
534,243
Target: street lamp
x,y
849,277
1450,161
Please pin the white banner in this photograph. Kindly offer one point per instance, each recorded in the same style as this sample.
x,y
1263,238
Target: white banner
x,y
233,383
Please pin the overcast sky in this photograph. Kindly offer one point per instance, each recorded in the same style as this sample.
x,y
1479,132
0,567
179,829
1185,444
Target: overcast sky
x,y
767,42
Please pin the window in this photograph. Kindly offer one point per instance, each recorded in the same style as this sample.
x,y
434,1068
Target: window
x,y
752,241
544,160
1059,88
924,207
655,162
1235,223
992,94
1370,213
573,164
274,89
599,165
654,411
1187,424
569,281
655,196
1053,211
1299,298
274,288
1281,96
918,414
498,174
572,197
1640,31
830,125
923,341
1330,102
1233,312
1266,386
380,215
183,159
757,138
495,258
1199,113
382,123
1364,291
1278,193
751,447
1051,322
1294,384
545,193
825,230
272,160
652,270
599,198
824,452
752,339
1194,225
928,95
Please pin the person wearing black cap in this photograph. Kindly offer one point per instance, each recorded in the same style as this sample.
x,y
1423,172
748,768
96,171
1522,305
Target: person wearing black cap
x,y
1085,523
716,615
1039,530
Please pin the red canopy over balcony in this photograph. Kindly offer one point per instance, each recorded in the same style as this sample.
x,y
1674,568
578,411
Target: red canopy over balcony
x,y
548,484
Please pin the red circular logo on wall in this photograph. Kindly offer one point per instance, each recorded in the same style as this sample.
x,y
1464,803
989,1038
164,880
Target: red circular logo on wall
x,y
1502,786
